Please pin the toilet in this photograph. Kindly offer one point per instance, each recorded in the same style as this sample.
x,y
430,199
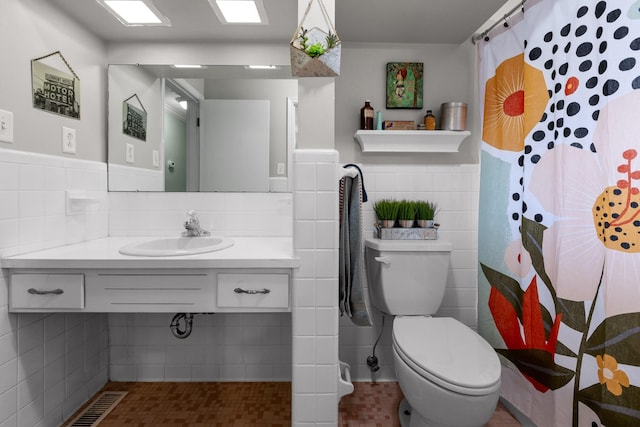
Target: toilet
x,y
449,375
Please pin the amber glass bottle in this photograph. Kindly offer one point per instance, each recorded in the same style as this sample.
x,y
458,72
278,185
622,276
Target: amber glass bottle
x,y
366,116
429,121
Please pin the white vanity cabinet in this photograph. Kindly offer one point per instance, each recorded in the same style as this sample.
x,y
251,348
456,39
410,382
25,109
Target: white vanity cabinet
x,y
254,275
149,291
46,291
253,292
158,291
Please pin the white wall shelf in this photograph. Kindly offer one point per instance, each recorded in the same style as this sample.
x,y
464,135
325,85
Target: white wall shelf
x,y
410,141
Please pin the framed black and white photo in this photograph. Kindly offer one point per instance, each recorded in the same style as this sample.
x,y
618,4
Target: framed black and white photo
x,y
54,90
134,118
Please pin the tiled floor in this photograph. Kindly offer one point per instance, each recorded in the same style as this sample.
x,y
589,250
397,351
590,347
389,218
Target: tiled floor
x,y
376,405
251,405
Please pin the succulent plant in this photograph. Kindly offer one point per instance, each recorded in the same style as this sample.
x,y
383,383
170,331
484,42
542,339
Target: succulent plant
x,y
332,40
303,38
315,49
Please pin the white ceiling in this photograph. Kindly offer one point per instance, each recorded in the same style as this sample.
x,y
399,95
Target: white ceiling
x,y
378,21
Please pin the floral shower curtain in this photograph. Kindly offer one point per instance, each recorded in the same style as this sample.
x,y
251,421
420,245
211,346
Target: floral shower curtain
x,y
559,230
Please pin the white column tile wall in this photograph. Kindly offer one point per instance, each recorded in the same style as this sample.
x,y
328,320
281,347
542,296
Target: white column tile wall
x,y
49,364
455,188
315,289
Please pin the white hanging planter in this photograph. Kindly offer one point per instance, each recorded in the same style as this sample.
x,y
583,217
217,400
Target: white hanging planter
x,y
304,46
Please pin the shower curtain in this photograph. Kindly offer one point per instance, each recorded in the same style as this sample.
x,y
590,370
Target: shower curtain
x,y
559,226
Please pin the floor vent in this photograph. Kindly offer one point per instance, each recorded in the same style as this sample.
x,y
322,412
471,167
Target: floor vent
x,y
98,410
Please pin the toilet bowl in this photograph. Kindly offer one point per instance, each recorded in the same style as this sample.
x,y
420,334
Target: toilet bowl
x,y
449,375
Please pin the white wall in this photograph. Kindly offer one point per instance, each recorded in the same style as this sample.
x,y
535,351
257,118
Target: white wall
x,y
49,364
455,189
31,29
449,75
225,214
449,179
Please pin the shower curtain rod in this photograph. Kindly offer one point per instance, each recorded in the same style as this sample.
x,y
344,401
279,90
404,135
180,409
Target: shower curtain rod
x,y
484,34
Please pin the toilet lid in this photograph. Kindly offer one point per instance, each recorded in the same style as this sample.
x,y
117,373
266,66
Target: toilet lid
x,y
447,352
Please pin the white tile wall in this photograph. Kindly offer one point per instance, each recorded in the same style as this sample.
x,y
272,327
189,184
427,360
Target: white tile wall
x,y
49,364
221,347
127,177
315,289
228,214
455,189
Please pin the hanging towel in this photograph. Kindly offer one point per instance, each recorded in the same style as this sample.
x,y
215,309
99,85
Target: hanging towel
x,y
351,256
363,195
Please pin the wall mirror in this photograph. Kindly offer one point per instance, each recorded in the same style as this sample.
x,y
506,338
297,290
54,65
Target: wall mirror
x,y
217,128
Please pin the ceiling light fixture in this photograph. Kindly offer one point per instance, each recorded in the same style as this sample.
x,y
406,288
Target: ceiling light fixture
x,y
188,66
239,11
135,12
261,67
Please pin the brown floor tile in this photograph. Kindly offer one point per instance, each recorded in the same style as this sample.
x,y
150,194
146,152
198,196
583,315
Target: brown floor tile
x,y
246,404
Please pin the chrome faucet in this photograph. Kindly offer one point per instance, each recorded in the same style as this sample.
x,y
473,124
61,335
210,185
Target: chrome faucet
x,y
192,225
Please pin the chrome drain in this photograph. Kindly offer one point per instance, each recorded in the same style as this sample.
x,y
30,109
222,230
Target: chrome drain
x,y
98,410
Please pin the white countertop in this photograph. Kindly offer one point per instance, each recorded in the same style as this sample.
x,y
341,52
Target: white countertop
x,y
246,252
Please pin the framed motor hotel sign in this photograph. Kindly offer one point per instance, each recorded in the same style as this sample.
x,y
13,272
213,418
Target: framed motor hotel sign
x,y
134,118
54,90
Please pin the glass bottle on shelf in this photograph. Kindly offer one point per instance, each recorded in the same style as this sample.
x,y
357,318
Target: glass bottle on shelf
x,y
429,121
366,116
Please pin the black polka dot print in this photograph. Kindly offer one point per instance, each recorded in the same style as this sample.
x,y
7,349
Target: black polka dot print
x,y
586,61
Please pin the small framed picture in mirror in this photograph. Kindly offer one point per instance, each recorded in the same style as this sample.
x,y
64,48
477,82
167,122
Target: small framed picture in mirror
x,y
134,118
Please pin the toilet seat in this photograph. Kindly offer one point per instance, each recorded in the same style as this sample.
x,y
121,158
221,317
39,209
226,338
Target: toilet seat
x,y
448,353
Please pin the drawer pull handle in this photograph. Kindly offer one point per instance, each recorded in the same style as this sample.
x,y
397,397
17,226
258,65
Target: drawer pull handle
x,y
33,291
251,291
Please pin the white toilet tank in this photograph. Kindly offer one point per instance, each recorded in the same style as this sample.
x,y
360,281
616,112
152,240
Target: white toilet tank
x,y
407,277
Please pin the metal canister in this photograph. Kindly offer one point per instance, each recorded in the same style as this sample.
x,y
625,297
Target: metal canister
x,y
453,116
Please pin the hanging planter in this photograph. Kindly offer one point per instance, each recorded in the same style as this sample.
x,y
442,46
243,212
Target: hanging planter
x,y
314,52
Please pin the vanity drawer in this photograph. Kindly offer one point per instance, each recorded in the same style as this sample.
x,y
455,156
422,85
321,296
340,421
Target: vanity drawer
x,y
268,292
149,292
41,292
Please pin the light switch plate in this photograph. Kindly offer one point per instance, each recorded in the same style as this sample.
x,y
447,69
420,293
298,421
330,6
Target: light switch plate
x,y
68,140
130,154
156,158
280,170
6,126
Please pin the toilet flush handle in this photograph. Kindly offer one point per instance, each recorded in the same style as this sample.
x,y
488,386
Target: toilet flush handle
x,y
383,259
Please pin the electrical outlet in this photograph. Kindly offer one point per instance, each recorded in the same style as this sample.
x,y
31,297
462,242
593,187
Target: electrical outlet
x,y
68,140
280,170
156,158
130,154
6,126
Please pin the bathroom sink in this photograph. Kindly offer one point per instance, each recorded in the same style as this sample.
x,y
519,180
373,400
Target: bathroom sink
x,y
176,246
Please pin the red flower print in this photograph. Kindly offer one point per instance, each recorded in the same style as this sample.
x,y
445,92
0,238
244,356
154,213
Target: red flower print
x,y
512,327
